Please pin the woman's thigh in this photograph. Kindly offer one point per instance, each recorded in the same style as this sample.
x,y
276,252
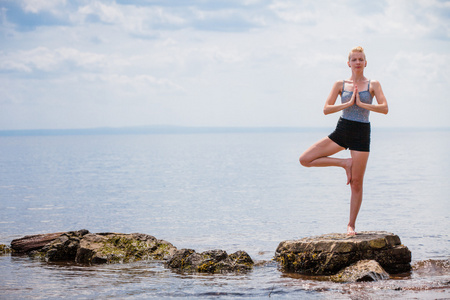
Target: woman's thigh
x,y
359,163
322,148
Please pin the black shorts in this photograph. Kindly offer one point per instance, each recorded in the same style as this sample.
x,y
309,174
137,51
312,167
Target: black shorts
x,y
352,135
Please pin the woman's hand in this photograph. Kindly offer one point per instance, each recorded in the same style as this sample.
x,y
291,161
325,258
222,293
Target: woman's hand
x,y
356,95
353,99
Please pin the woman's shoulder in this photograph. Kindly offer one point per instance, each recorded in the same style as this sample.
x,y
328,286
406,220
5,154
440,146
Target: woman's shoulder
x,y
338,86
339,83
374,84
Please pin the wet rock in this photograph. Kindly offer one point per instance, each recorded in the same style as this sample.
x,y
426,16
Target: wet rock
x,y
328,254
363,270
63,248
213,261
33,242
122,248
84,247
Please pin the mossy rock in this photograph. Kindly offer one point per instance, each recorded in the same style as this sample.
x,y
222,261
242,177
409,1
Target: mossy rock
x,y
122,248
84,247
328,254
4,249
212,261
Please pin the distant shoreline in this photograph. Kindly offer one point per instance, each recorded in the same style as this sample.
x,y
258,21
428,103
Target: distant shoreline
x,y
153,130
181,130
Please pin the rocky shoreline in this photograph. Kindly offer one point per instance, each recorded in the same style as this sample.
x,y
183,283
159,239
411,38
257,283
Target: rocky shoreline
x,y
368,256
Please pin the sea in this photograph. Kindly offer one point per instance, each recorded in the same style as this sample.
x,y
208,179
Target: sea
x,y
240,189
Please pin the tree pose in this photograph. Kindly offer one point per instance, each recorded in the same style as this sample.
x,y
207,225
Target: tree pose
x,y
352,131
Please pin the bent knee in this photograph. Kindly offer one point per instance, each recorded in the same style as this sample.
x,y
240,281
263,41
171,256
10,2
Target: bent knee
x,y
304,160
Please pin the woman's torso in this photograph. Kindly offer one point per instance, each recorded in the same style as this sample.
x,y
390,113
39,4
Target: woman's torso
x,y
354,112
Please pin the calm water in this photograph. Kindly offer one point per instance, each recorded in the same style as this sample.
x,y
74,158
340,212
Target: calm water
x,y
230,191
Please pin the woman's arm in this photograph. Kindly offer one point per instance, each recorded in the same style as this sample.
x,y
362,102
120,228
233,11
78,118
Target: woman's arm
x,y
330,106
382,106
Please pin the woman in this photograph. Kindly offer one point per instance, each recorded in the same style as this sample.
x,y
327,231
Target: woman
x,y
352,131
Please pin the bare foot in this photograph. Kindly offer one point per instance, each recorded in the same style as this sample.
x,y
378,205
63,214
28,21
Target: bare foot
x,y
351,231
348,169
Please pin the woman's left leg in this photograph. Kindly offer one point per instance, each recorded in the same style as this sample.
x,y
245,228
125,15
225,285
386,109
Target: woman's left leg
x,y
358,169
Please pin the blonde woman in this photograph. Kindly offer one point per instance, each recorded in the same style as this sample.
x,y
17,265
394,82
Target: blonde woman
x,y
352,131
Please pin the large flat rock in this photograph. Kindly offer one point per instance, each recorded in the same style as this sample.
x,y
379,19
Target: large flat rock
x,y
329,253
88,248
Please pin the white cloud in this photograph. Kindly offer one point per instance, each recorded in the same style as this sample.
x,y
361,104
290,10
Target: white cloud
x,y
295,11
142,81
413,19
36,6
105,13
421,67
47,60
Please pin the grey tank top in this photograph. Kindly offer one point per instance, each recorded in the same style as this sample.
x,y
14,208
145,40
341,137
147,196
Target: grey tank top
x,y
354,112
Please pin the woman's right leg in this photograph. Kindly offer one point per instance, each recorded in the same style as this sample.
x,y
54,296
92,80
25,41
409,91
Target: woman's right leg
x,y
318,156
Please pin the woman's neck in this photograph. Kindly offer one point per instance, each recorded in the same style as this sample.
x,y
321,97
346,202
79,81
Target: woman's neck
x,y
358,77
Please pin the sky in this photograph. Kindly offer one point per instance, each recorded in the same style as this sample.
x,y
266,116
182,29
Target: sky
x,y
220,63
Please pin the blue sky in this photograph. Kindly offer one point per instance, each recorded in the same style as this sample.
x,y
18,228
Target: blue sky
x,y
82,64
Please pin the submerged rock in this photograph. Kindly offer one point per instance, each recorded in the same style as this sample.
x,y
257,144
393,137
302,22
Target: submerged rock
x,y
363,270
328,254
213,261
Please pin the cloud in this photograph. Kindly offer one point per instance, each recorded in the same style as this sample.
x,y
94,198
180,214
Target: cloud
x,y
415,19
36,6
27,15
47,60
139,18
421,67
142,82
295,12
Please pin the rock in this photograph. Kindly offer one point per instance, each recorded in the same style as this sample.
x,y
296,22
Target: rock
x,y
122,248
84,247
63,248
33,242
328,254
213,261
363,270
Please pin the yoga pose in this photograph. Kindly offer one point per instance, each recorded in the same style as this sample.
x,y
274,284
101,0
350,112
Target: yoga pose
x,y
352,131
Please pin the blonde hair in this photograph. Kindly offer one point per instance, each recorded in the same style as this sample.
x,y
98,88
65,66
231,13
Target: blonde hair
x,y
356,49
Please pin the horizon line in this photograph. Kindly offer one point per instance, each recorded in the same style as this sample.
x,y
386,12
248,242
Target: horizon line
x,y
179,129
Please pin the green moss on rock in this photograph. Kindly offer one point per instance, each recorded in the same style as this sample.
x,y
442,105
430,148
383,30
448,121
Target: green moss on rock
x,y
4,249
213,261
328,254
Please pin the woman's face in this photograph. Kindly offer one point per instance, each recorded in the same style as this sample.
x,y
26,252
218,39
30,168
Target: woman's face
x,y
357,61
